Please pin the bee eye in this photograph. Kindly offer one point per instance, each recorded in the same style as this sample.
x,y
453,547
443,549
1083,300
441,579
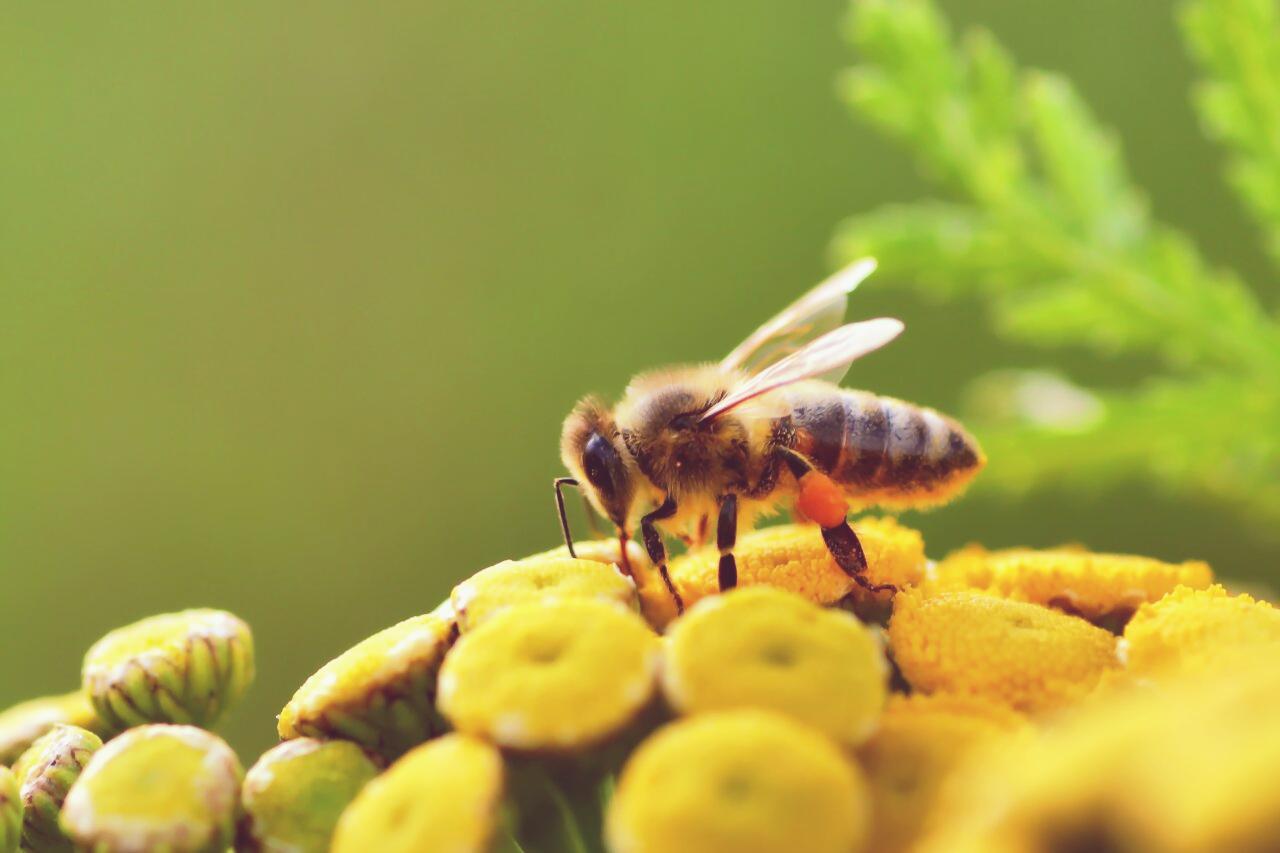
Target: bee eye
x,y
601,464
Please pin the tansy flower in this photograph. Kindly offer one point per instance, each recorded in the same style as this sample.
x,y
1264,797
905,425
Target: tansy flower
x,y
23,723
559,675
918,743
1196,629
379,693
1095,586
536,579
737,782
794,557
444,795
1185,766
184,667
156,787
1023,655
10,811
45,773
294,794
766,648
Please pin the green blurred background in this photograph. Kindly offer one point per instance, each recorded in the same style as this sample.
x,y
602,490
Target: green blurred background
x,y
296,296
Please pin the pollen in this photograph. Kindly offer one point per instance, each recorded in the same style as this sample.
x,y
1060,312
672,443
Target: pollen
x,y
378,693
1095,586
537,579
1022,655
738,782
767,648
442,795
550,676
1193,629
794,557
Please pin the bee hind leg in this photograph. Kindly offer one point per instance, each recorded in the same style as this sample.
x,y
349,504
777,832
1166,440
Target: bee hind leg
x,y
845,548
821,500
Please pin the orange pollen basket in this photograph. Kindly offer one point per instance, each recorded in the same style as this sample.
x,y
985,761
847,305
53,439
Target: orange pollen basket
x,y
822,500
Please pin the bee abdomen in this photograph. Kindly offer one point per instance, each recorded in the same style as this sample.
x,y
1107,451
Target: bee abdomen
x,y
884,449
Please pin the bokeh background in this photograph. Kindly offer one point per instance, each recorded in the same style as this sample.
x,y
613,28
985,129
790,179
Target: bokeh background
x,y
294,297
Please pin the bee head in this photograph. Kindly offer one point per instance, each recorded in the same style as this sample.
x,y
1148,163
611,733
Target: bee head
x,y
592,449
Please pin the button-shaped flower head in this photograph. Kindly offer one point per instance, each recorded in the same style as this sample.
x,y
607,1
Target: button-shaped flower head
x,y
186,667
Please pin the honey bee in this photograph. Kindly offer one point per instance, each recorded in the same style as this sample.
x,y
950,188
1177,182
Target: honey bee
x,y
766,427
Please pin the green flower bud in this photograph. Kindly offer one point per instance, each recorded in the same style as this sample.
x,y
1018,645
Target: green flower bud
x,y
380,693
45,772
23,723
10,812
185,667
156,787
295,793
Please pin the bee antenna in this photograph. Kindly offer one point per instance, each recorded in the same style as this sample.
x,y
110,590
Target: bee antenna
x,y
560,483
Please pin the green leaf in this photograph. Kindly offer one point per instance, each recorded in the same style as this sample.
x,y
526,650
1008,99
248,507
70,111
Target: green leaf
x,y
1235,43
1048,227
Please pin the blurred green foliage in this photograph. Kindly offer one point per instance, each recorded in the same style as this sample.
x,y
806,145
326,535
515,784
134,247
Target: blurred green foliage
x,y
1051,231
295,297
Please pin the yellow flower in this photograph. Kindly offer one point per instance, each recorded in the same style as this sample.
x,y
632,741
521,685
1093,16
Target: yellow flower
x,y
1077,581
186,667
295,792
766,648
794,557
444,795
536,579
1023,655
156,787
553,676
1196,629
921,739
46,771
23,723
737,782
1187,766
10,811
379,693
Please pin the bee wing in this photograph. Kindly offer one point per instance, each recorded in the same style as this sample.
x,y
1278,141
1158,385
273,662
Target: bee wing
x,y
833,351
817,312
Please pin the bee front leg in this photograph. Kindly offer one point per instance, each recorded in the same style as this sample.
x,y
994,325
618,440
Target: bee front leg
x,y
657,550
726,537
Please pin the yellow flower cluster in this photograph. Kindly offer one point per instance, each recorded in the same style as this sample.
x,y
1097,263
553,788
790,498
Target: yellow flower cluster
x,y
773,718
556,703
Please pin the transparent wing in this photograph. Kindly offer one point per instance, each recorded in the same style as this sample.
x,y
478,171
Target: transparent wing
x,y
833,351
817,312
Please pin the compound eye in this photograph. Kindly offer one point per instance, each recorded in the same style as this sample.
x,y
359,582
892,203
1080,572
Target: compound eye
x,y
601,464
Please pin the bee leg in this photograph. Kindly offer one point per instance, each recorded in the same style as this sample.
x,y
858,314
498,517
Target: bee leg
x,y
844,546
822,500
658,551
726,536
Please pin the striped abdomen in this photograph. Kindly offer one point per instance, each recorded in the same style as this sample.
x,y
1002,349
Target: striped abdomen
x,y
885,451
